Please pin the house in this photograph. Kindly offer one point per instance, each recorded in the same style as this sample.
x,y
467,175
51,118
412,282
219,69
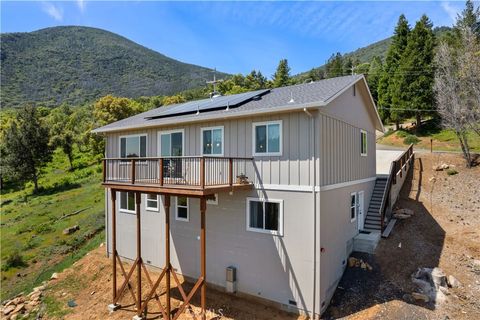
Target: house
x,y
269,187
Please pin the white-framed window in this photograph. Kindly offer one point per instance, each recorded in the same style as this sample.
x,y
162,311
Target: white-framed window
x,y
265,216
267,138
133,146
353,206
212,141
181,209
363,143
127,202
214,200
171,143
152,202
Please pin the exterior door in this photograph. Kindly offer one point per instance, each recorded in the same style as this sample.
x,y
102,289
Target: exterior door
x,y
360,210
171,147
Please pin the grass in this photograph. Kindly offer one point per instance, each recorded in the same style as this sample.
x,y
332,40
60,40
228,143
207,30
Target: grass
x,y
442,140
32,242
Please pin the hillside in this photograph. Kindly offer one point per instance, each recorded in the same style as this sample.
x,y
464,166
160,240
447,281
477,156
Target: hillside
x,y
79,64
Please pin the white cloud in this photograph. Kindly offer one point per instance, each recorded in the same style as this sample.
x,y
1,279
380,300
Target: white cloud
x,y
53,11
81,5
450,10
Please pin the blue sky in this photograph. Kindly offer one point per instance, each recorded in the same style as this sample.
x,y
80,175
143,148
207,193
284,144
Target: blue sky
x,y
234,37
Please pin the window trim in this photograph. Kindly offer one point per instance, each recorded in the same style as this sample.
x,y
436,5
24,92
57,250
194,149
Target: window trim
x,y
147,208
159,141
223,140
119,197
279,232
213,202
188,210
355,194
267,154
363,132
139,147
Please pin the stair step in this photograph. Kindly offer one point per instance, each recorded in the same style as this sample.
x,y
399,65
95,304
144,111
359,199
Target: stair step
x,y
373,218
372,222
372,229
375,201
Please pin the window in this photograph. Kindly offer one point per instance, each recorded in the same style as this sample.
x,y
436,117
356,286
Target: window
x,y
181,210
265,216
133,146
127,202
214,200
267,138
363,142
353,206
152,202
212,141
171,143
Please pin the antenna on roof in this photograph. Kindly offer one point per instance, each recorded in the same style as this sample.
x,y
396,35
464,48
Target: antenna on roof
x,y
215,93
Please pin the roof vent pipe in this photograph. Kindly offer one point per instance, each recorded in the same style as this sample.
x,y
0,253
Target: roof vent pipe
x,y
291,98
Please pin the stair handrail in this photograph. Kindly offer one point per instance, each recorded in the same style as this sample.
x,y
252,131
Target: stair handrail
x,y
407,156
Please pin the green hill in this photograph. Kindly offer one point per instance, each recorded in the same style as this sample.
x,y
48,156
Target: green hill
x,y
79,64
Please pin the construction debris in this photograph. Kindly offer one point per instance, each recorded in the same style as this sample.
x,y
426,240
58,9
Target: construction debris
x,y
359,263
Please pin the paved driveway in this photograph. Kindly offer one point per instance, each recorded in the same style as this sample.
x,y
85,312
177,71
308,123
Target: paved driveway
x,y
385,158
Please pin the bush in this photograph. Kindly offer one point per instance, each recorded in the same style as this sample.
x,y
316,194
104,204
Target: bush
x,y
402,133
452,172
409,139
14,260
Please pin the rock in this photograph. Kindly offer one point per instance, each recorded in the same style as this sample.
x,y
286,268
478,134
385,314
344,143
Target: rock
x,y
18,300
399,244
404,211
439,277
441,167
71,303
363,265
476,264
10,302
8,310
19,308
14,317
54,276
101,244
401,216
369,267
453,282
71,230
420,297
352,261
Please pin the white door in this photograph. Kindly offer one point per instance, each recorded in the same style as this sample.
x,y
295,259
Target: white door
x,y
360,210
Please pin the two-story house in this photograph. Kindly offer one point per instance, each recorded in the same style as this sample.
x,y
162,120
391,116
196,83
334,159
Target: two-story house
x,y
272,184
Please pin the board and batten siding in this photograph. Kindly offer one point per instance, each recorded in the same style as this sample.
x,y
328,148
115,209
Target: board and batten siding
x,y
293,167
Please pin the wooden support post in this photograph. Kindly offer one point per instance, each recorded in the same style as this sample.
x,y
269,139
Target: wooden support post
x,y
104,164
166,205
202,172
133,171
203,257
114,243
160,174
139,253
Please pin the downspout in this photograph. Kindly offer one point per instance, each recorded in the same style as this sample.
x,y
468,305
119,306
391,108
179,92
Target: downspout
x,y
312,150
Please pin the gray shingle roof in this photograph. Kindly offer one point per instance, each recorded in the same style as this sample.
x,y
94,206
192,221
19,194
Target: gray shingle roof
x,y
313,94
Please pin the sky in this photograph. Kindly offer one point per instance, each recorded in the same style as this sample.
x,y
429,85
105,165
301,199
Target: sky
x,y
234,37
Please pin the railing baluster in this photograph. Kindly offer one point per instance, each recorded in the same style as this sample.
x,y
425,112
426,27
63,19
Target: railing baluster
x,y
133,171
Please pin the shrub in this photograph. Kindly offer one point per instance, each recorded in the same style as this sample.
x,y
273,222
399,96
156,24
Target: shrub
x,y
14,260
43,228
402,133
452,172
409,139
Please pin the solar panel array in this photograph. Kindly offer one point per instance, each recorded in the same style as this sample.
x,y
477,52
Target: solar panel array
x,y
211,104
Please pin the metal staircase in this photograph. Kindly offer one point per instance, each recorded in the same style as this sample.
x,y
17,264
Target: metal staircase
x,y
373,219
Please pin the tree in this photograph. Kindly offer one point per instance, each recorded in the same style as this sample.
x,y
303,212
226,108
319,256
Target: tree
x,y
255,80
109,109
173,99
457,88
26,147
394,54
281,77
373,75
62,134
468,19
413,82
334,66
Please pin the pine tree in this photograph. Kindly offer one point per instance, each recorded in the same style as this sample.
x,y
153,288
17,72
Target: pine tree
x,y
334,66
373,76
394,54
26,148
469,18
413,83
281,77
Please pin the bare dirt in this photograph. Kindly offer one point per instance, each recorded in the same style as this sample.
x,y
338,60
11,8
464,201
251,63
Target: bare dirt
x,y
444,231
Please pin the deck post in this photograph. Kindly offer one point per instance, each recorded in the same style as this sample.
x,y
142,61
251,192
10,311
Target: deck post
x,y
113,195
202,172
133,171
230,172
104,164
138,200
203,209
160,172
166,205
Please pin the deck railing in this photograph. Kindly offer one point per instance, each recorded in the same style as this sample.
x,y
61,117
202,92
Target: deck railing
x,y
396,168
198,171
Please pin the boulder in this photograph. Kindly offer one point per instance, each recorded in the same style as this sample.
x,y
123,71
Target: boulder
x,y
401,216
439,277
71,230
453,282
420,297
441,167
8,310
404,211
19,308
54,276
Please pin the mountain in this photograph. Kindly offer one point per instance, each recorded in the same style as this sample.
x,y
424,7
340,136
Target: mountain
x,y
79,64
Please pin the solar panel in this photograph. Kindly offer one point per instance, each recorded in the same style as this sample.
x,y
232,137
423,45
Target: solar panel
x,y
211,104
